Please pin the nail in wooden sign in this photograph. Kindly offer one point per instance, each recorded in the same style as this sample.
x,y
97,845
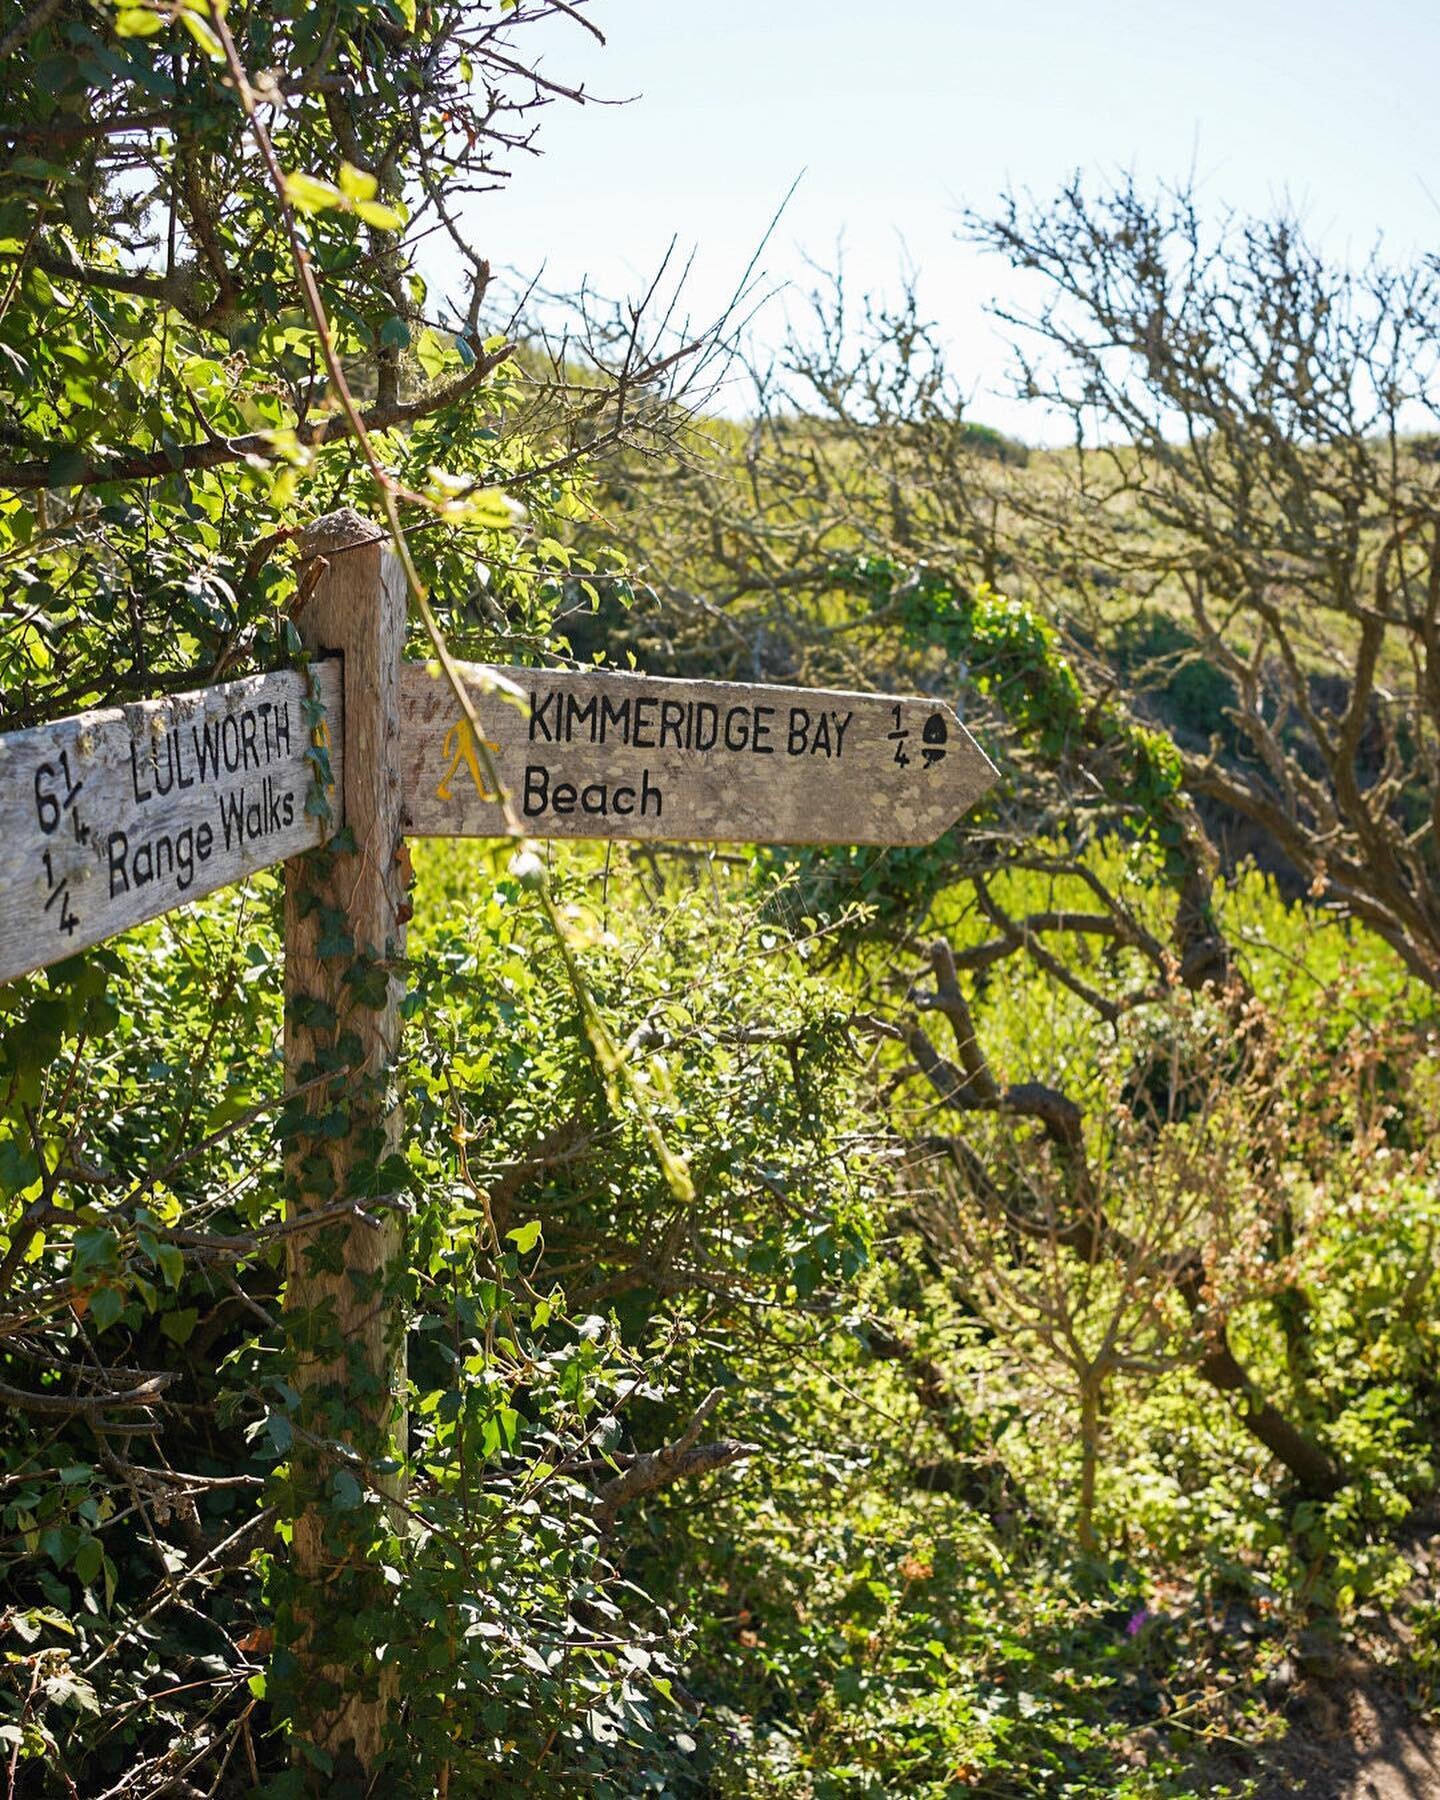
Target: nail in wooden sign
x,y
119,815
597,754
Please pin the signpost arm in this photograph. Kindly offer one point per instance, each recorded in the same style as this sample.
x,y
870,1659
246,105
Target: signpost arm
x,y
345,912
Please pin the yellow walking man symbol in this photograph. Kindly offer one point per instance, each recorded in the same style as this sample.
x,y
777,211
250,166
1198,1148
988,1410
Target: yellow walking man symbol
x,y
460,748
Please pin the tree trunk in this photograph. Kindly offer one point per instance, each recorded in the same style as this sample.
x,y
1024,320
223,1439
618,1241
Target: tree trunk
x,y
1089,1457
1317,1472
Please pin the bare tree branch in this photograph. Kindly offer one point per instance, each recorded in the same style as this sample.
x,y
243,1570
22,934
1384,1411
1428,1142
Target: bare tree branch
x,y
682,1460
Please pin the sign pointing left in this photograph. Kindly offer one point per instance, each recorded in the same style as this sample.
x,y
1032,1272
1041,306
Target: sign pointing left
x,y
116,816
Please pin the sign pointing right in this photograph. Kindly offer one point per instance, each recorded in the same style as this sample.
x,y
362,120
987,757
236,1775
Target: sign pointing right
x,y
596,754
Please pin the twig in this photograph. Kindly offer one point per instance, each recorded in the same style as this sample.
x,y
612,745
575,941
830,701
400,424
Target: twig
x,y
680,1461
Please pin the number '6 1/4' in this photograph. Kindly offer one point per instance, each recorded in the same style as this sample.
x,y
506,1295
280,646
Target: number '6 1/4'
x,y
48,806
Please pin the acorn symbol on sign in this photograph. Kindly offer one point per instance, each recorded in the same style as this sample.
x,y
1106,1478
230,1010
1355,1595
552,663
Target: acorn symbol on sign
x,y
933,738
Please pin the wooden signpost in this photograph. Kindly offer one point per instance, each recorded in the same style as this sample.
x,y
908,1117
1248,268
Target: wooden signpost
x,y
591,754
118,816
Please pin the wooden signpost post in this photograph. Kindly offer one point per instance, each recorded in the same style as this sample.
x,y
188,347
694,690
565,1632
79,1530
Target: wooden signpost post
x,y
117,816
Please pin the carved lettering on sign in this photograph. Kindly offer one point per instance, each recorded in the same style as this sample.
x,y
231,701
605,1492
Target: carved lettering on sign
x,y
118,815
604,755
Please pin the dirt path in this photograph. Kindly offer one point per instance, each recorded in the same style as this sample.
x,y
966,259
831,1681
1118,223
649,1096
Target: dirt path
x,y
1358,1743
1355,1741
1399,1759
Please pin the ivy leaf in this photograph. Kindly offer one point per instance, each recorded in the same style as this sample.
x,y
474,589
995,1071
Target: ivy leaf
x,y
178,1325
106,1306
347,1491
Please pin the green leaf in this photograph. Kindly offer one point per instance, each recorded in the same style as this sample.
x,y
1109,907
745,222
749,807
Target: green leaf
x,y
178,1325
431,352
395,333
202,34
462,505
67,467
89,1559
308,194
233,1105
170,1263
106,1306
94,1250
19,1168
347,1491
525,1237
138,21
382,217
357,184
67,1689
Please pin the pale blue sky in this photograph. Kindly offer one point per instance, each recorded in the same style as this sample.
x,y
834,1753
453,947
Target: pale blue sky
x,y
901,115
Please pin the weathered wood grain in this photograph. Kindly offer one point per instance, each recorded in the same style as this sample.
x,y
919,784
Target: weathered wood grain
x,y
118,815
345,1330
597,754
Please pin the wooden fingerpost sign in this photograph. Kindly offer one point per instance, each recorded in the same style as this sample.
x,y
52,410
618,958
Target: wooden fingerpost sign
x,y
117,816
587,753
120,815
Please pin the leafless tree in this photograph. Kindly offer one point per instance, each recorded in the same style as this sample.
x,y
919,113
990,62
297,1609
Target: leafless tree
x,y
1246,462
1249,447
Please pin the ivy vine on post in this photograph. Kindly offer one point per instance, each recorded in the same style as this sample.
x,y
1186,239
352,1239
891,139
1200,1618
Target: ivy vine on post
x,y
345,914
